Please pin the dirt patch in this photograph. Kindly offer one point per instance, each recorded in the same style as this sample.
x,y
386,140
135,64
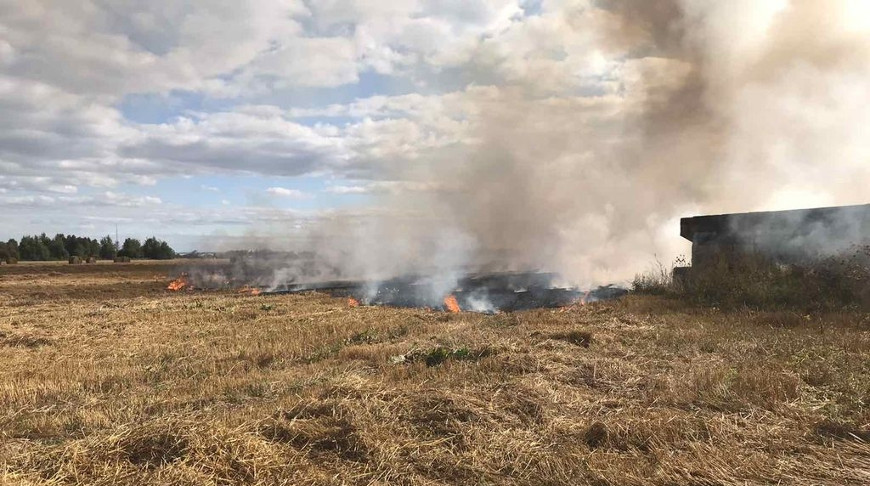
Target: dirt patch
x,y
317,427
151,451
307,409
439,355
321,435
25,341
438,417
576,337
830,429
596,435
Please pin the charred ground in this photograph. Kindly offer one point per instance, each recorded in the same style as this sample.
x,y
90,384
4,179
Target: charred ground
x,y
109,379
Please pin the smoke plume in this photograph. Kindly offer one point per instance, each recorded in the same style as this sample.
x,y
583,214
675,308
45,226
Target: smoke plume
x,y
702,107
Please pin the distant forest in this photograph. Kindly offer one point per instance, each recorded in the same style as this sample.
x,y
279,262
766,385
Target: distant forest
x,y
62,247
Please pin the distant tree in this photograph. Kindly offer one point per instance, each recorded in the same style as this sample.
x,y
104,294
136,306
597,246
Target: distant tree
x,y
131,248
166,251
34,248
12,248
157,250
70,244
56,248
93,248
26,248
108,250
79,246
4,251
150,248
44,239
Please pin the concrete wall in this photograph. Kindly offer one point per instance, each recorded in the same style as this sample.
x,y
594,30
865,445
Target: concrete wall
x,y
782,236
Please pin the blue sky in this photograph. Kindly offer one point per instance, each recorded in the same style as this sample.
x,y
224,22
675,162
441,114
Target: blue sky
x,y
202,108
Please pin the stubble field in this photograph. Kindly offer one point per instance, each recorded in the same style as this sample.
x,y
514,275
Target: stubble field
x,y
107,378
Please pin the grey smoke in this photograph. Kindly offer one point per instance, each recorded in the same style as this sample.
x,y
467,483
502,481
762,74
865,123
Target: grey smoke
x,y
718,107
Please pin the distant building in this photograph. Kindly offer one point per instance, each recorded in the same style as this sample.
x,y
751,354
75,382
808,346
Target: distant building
x,y
786,237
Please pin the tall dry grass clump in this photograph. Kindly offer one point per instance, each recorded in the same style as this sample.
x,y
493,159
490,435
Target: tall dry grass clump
x,y
757,282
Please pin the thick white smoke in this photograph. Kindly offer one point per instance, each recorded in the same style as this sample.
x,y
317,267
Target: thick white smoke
x,y
702,107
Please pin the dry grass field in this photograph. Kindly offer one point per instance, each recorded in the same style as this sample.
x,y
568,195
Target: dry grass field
x,y
106,378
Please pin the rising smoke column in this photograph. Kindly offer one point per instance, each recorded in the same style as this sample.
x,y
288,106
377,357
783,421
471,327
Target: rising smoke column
x,y
702,107
722,106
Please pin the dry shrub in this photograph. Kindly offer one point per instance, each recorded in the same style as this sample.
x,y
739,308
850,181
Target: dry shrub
x,y
658,280
754,281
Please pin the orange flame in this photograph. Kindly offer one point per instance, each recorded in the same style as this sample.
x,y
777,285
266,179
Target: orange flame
x,y
352,302
249,290
451,304
178,284
580,302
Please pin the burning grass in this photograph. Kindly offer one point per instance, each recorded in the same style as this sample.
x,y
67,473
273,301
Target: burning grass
x,y
109,378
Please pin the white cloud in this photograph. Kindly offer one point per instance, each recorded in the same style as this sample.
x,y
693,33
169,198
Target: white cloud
x,y
64,203
288,193
118,47
342,190
60,88
236,142
323,62
385,187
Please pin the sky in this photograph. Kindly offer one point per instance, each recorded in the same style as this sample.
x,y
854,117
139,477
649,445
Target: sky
x,y
190,119
212,123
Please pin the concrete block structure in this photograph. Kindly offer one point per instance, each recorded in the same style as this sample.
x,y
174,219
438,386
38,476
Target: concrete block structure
x,y
787,237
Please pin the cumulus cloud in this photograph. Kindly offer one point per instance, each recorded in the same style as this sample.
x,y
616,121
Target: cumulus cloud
x,y
385,187
60,87
117,47
288,193
65,203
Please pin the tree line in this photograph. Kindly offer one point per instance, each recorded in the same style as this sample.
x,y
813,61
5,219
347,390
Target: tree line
x,y
61,247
